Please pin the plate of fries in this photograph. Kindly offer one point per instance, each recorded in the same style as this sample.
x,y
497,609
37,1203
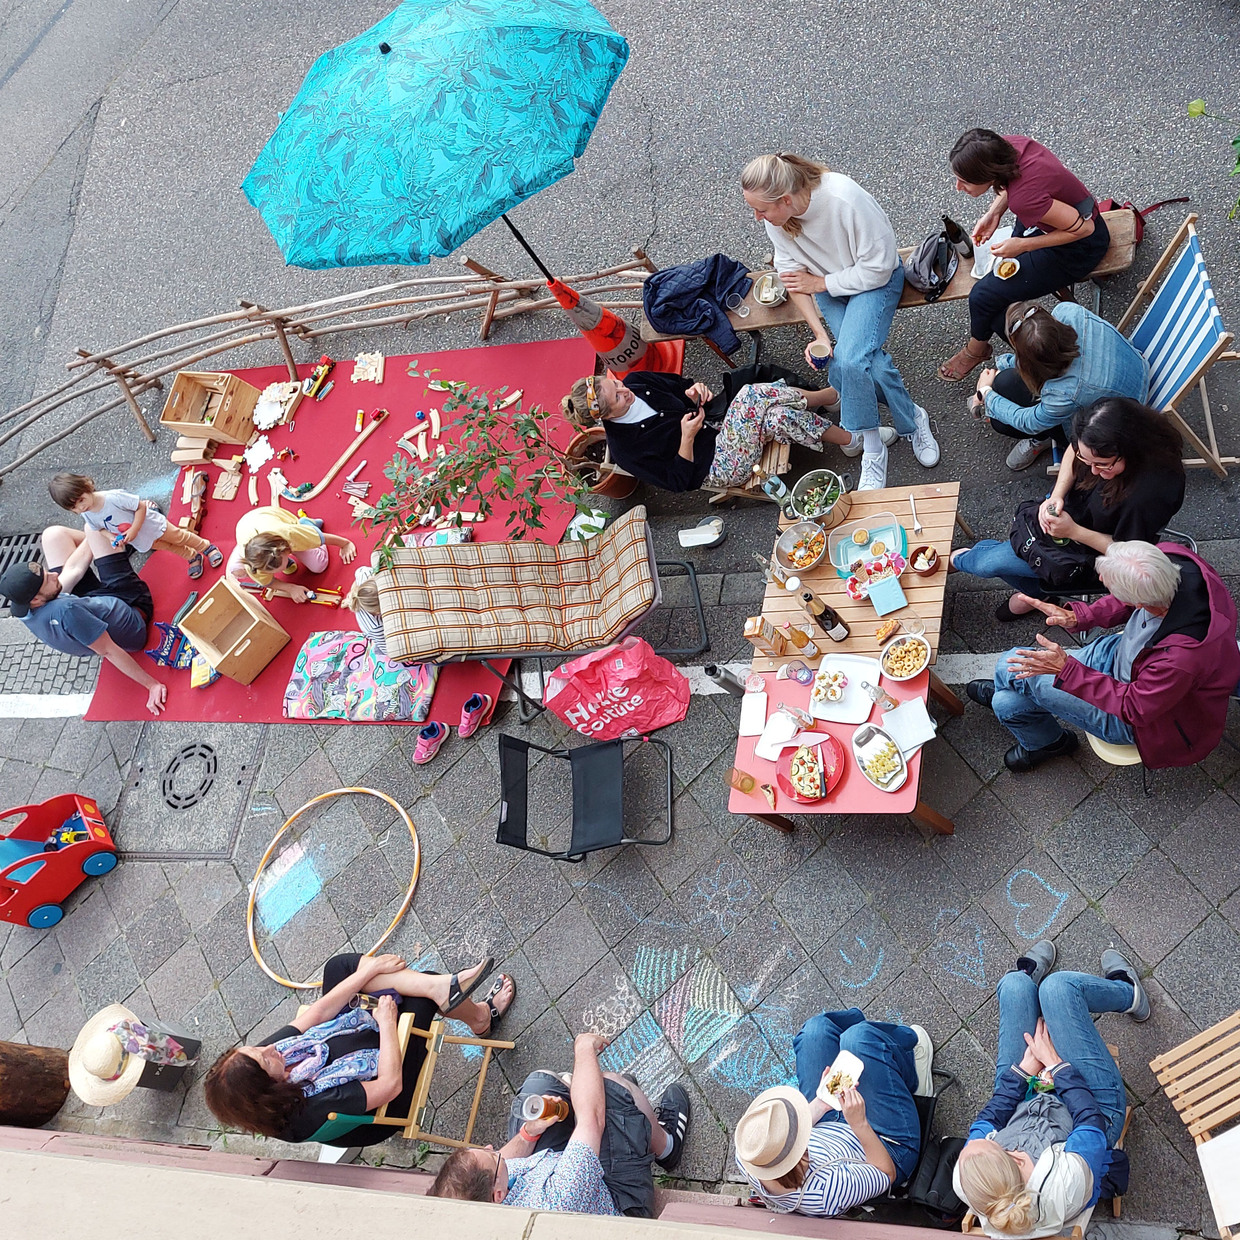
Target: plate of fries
x,y
879,758
905,657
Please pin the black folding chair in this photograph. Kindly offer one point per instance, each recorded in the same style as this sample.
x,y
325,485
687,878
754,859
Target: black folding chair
x,y
598,795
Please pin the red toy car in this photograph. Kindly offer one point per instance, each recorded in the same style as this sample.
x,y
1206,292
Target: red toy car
x,y
49,854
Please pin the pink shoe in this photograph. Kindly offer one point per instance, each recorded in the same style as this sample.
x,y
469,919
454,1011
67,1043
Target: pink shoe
x,y
429,740
473,713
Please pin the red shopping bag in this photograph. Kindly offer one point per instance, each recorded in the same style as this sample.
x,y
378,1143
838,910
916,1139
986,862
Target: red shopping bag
x,y
622,691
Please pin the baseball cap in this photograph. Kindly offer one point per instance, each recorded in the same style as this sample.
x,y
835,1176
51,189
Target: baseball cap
x,y
19,584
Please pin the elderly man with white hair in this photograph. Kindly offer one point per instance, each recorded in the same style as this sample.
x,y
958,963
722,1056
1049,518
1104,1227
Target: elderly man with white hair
x,y
1162,683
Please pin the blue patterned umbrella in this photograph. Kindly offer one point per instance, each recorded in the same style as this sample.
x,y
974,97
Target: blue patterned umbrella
x,y
405,141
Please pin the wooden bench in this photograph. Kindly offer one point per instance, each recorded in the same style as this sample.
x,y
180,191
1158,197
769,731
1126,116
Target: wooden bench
x,y
750,1218
1119,257
774,460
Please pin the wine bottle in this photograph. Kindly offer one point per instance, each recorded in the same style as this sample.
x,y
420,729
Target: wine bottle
x,y
825,617
960,240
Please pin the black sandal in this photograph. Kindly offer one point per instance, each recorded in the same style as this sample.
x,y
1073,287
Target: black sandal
x,y
457,996
489,998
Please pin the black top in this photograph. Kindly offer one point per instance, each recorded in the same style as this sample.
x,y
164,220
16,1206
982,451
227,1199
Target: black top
x,y
650,450
348,1099
1152,500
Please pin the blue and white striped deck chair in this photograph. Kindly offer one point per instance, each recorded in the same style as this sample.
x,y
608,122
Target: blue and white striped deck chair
x,y
1182,335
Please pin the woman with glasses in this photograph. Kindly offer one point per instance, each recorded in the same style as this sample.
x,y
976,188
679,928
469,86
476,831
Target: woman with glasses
x,y
1062,361
1121,478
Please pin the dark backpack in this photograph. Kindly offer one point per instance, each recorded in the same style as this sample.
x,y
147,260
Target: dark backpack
x,y
931,1187
1059,565
931,265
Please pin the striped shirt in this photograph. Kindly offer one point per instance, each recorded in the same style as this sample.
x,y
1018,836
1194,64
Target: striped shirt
x,y
838,1179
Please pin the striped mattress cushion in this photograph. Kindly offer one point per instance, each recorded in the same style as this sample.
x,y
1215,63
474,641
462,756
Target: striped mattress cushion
x,y
474,599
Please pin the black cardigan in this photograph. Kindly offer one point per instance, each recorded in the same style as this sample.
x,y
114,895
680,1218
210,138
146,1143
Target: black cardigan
x,y
650,450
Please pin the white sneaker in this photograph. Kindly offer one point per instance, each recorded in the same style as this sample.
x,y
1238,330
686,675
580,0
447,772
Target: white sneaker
x,y
925,446
923,1058
873,471
886,433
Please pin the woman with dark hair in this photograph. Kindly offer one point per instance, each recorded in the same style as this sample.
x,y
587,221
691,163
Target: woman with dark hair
x,y
1062,361
1121,479
337,1056
1059,236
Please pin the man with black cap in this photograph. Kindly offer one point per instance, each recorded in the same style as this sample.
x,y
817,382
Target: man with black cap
x,y
64,610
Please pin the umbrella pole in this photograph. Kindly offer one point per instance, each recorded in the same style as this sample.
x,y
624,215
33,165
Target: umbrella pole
x,y
525,245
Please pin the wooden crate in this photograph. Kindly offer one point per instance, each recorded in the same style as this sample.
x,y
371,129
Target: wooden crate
x,y
234,632
205,404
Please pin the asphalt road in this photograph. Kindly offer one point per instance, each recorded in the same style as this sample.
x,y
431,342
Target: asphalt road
x,y
130,124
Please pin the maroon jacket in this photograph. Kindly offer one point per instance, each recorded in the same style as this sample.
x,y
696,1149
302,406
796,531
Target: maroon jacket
x,y
1176,703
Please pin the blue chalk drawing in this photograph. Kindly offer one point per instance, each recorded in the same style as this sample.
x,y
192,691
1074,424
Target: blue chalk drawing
x,y
643,1050
744,1061
656,968
698,1010
960,961
1061,898
629,910
288,894
722,898
859,964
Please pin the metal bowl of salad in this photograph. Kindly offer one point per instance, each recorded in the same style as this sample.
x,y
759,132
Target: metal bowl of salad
x,y
822,496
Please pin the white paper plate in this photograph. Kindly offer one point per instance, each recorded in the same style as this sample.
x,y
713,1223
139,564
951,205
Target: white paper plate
x,y
855,705
845,1062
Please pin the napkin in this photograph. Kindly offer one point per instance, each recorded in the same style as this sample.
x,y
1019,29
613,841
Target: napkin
x,y
753,714
887,595
909,725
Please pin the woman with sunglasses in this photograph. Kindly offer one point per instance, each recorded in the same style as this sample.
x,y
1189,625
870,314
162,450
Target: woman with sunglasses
x,y
1121,478
1062,361
1059,236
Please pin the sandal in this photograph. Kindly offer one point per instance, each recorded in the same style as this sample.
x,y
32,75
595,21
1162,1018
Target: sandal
x,y
488,1000
457,996
195,566
961,364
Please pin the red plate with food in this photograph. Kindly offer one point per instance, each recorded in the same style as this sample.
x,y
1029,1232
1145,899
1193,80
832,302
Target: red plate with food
x,y
890,565
811,772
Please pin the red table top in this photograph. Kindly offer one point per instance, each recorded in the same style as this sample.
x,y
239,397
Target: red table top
x,y
854,794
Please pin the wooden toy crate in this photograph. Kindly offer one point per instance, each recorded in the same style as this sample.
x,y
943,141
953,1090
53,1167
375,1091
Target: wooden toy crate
x,y
204,404
234,632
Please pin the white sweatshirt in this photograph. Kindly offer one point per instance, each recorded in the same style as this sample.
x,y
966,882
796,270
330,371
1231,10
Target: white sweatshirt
x,y
846,238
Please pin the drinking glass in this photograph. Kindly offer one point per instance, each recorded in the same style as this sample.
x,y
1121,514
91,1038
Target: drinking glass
x,y
736,305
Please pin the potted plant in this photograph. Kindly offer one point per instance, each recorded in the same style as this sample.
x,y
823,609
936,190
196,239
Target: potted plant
x,y
589,449
504,454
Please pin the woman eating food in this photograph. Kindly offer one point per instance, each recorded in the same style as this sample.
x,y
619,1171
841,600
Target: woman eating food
x,y
1121,478
1062,361
1059,236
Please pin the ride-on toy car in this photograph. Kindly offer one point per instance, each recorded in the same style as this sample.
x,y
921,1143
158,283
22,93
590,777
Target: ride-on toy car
x,y
51,851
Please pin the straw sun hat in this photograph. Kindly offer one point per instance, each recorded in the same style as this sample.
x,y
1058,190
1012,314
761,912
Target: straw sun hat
x,y
773,1133
111,1052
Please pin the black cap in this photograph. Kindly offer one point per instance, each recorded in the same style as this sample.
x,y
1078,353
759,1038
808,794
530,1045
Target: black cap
x,y
19,585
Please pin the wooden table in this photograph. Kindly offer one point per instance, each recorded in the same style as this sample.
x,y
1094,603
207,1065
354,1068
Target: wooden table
x,y
936,509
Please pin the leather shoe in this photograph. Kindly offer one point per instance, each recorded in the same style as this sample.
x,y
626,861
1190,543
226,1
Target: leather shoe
x,y
1018,759
980,691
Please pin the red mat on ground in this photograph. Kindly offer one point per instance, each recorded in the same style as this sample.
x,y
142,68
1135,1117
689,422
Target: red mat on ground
x,y
322,430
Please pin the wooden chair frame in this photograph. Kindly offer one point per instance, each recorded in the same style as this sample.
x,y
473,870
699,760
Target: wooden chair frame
x,y
1208,453
435,1039
1201,1078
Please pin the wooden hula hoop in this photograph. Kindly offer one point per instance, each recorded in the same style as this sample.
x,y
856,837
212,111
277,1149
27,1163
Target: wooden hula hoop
x,y
400,912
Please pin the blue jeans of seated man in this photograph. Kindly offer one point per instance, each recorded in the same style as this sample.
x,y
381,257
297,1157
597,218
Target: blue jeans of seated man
x,y
1031,709
861,370
887,1083
1066,1001
988,557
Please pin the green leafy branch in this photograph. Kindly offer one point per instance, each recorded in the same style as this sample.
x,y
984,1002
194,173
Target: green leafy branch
x,y
1197,108
505,457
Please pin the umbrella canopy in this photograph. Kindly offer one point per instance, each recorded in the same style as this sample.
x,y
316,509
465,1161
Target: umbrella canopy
x,y
405,141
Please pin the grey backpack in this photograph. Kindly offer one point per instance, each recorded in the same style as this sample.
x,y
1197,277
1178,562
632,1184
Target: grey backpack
x,y
930,267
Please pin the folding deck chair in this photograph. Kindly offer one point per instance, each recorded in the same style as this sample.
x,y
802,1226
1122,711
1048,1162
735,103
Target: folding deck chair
x,y
1182,335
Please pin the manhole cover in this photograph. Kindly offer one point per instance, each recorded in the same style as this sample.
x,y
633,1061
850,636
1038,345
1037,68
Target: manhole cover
x,y
189,763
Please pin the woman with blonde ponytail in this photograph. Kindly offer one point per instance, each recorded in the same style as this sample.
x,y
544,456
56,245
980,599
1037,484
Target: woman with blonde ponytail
x,y
835,251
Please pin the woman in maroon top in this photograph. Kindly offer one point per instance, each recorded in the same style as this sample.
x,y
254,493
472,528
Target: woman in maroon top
x,y
1059,235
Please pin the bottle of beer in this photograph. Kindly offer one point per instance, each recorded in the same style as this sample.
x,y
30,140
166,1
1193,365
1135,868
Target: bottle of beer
x,y
825,617
772,570
772,484
959,240
800,639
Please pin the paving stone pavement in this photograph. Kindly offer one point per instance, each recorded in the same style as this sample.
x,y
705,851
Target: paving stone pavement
x,y
699,959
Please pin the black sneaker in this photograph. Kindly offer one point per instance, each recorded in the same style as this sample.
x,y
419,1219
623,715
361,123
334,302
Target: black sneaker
x,y
1018,759
980,691
673,1116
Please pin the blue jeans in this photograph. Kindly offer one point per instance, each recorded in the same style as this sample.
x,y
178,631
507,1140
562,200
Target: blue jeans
x,y
1066,1001
887,1083
1031,709
988,557
861,369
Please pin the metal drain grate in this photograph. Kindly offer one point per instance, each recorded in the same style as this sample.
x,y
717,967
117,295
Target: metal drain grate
x,y
198,757
18,549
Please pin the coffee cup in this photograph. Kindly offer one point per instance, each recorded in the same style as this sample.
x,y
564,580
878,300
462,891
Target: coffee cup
x,y
819,355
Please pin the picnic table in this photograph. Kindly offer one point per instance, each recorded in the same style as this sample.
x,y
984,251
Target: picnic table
x,y
937,511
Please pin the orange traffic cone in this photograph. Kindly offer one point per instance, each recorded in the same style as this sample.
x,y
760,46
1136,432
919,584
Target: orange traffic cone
x,y
615,339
